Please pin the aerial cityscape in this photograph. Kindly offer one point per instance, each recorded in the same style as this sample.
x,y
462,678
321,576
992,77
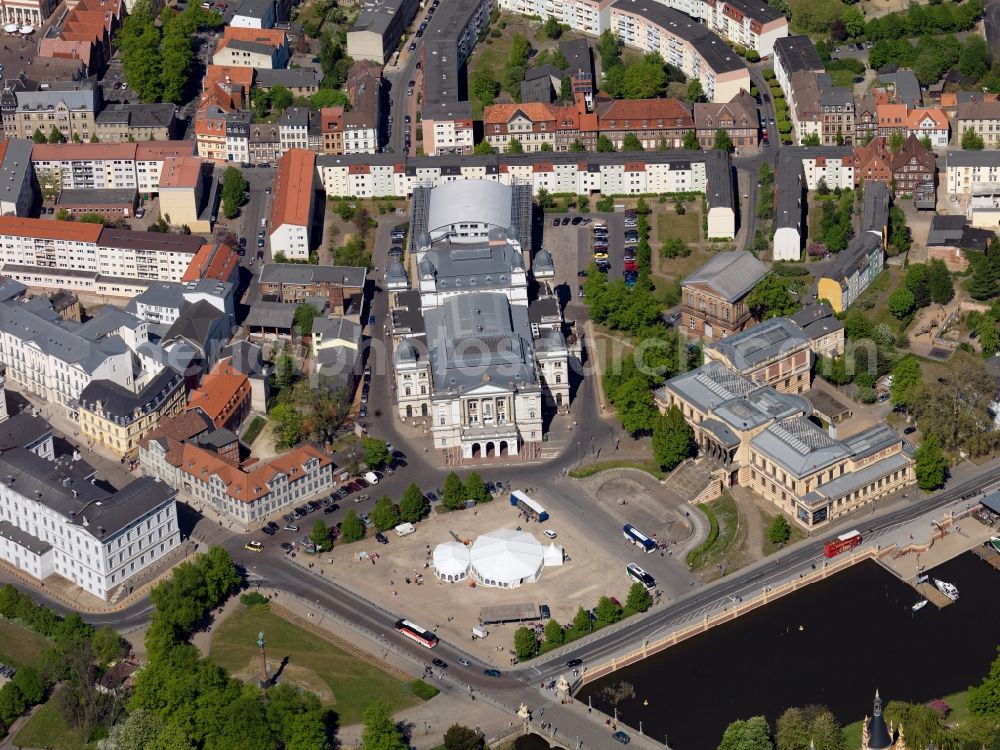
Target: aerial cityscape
x,y
466,374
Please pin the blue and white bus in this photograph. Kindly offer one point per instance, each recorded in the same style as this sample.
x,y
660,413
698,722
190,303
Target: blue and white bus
x,y
528,506
639,539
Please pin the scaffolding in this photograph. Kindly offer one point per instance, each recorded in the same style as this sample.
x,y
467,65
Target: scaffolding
x,y
419,208
520,215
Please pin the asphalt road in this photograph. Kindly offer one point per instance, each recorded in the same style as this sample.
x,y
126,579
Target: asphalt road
x,y
991,24
399,103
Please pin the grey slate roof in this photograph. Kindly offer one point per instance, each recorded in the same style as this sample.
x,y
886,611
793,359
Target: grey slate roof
x,y
946,229
984,158
875,207
730,274
56,340
10,289
577,54
121,405
479,337
907,87
799,446
463,267
291,78
789,180
711,47
91,197
337,328
14,168
271,315
301,273
53,483
166,294
22,538
195,323
797,53
21,430
847,262
719,182
761,343
537,90
245,356
254,8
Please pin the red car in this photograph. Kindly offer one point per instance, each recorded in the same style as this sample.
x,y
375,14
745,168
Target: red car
x,y
631,265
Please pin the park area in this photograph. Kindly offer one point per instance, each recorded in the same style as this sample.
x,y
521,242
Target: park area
x,y
340,680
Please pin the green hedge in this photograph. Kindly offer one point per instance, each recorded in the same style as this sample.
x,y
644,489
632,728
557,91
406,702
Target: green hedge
x,y
423,690
713,534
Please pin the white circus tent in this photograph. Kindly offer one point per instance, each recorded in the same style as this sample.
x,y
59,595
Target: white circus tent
x,y
451,562
553,555
506,558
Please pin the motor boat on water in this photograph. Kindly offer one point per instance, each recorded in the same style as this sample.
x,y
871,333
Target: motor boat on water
x,y
948,589
994,542
919,605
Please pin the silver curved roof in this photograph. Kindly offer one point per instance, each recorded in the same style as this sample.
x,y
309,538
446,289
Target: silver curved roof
x,y
465,201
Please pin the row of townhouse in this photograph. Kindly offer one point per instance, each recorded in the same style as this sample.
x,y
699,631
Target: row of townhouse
x,y
637,173
975,175
76,257
106,166
819,108
54,518
979,113
655,122
226,132
753,24
193,456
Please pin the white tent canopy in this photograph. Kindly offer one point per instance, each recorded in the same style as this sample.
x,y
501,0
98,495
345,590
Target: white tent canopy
x,y
451,562
553,554
506,558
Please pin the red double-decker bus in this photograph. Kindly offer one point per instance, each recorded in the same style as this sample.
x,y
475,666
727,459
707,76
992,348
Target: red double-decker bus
x,y
842,543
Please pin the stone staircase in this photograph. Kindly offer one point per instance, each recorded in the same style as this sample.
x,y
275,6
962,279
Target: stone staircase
x,y
693,482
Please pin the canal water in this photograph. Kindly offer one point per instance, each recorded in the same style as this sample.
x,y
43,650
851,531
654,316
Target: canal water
x,y
832,643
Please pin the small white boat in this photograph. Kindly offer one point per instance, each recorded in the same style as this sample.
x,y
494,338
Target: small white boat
x,y
919,605
994,542
948,589
922,579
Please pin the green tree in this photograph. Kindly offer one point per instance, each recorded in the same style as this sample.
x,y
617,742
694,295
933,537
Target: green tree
x,y
639,599
923,725
483,148
514,146
751,734
56,136
459,737
606,611
234,192
896,141
917,282
554,633
178,56
566,89
577,146
525,643
975,59
691,141
610,47
29,683
138,730
983,284
695,92
931,465
39,136
63,214
674,247
989,339
972,141
384,515
643,80
320,536
351,528
413,506
984,698
906,378
631,142
942,288
376,453
453,492
380,730
901,302
900,237
673,439
304,316
138,40
475,489
854,21
484,87
779,531
107,644
722,140
812,725
546,147
811,139
770,298
551,29
581,621
286,424
604,144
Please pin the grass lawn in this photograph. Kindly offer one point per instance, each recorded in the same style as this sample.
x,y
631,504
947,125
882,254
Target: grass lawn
x,y
342,681
840,77
668,224
47,728
20,647
874,303
727,514
770,547
650,467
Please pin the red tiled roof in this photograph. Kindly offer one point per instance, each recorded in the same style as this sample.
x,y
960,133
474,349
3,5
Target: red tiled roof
x,y
671,112
217,390
293,186
212,262
50,230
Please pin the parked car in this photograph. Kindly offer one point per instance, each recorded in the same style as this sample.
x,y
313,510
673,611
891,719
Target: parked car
x,y
576,220
555,222
287,546
381,538
365,519
550,533
622,737
267,530
291,527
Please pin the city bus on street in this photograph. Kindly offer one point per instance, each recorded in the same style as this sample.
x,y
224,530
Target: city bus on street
x,y
414,632
632,534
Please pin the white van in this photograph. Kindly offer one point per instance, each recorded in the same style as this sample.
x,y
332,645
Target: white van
x,y
405,529
480,632
371,477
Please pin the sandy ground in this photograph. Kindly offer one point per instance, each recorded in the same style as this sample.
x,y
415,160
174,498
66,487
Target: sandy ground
x,y
452,609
